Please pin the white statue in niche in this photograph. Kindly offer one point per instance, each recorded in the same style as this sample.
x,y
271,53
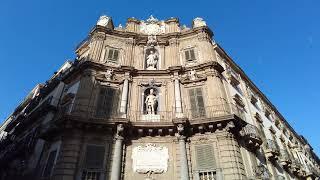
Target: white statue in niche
x,y
151,102
152,60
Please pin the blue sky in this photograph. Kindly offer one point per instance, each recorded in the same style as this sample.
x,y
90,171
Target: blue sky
x,y
277,43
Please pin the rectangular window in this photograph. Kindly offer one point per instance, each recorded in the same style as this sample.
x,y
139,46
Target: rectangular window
x,y
197,103
190,55
205,161
50,163
254,102
93,162
108,100
205,157
113,55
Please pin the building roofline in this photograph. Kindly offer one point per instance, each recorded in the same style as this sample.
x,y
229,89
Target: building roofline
x,y
256,89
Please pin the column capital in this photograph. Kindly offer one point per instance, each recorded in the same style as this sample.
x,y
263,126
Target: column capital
x,y
97,37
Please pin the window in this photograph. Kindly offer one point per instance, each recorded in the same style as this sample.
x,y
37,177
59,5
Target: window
x,y
50,163
113,55
107,104
254,102
205,157
190,55
197,103
93,162
205,161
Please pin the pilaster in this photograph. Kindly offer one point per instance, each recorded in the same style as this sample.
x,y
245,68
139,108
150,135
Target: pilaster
x,y
184,169
96,46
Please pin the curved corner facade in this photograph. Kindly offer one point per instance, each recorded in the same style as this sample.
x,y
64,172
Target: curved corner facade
x,y
153,101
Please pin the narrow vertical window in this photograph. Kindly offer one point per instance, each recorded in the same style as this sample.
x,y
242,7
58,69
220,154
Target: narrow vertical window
x,y
190,55
93,162
50,163
205,161
107,104
197,103
113,55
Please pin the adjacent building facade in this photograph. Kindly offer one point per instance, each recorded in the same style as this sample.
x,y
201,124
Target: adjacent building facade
x,y
153,101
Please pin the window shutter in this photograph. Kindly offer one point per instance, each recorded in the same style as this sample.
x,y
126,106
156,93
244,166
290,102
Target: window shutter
x,y
193,103
200,102
110,54
100,111
187,55
197,103
94,157
115,55
50,163
193,57
115,104
108,101
205,157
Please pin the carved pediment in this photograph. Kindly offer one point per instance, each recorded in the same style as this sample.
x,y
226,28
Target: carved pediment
x,y
192,77
109,76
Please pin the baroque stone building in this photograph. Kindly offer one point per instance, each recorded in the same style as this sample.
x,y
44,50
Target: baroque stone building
x,y
153,101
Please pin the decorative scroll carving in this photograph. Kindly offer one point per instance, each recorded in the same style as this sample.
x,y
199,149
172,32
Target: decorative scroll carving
x,y
103,21
198,22
151,83
152,41
109,74
152,26
150,159
98,37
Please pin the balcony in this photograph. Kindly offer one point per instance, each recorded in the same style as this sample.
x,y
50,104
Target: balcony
x,y
284,159
251,136
89,113
295,167
215,111
32,111
272,150
17,147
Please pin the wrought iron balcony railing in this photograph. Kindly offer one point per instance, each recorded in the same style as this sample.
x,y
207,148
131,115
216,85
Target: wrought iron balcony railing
x,y
272,150
285,159
92,112
251,136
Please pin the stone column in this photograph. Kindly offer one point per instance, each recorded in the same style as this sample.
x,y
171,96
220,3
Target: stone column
x,y
177,95
184,170
124,95
117,154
